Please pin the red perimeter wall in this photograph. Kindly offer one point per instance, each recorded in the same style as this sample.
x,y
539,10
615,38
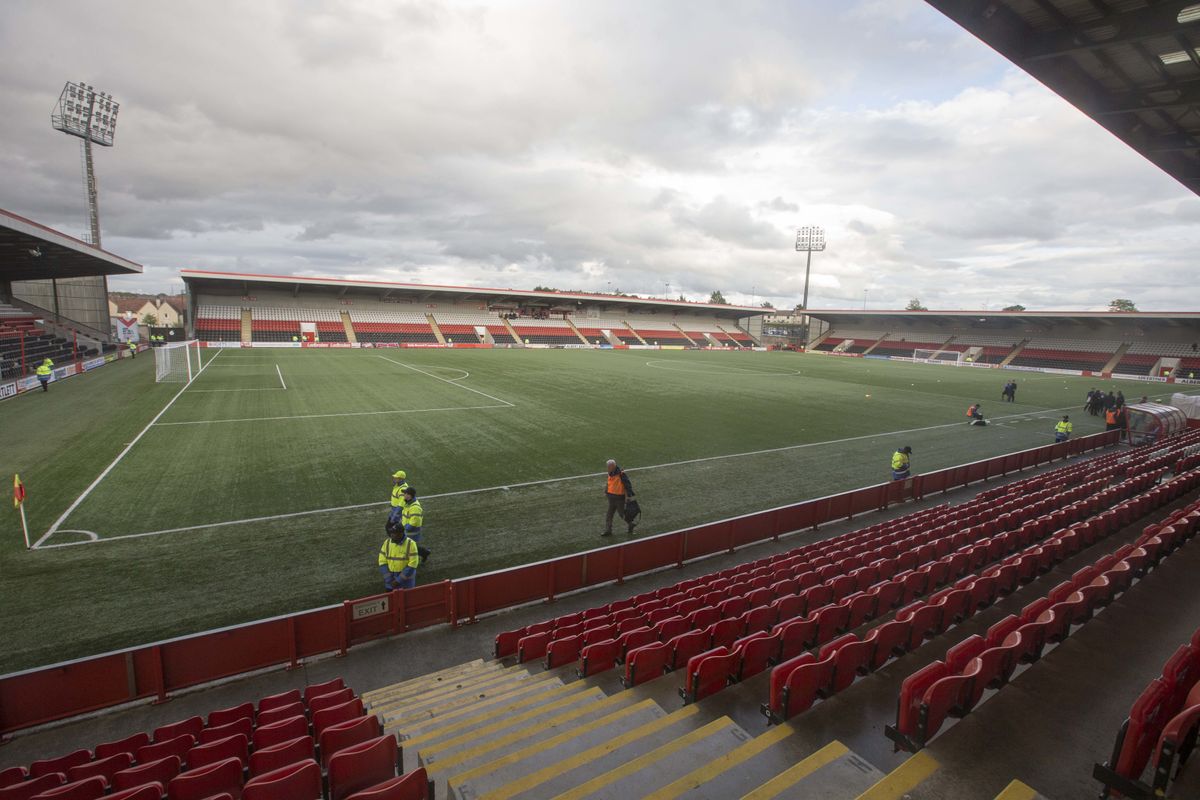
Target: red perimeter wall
x,y
155,671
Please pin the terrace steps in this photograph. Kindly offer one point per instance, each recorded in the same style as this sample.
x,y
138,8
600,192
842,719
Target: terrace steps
x,y
683,333
578,333
511,330
1016,351
875,344
437,332
247,326
1116,357
629,327
348,327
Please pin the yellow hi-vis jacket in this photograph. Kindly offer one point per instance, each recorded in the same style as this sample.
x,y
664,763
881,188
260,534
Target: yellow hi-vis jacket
x,y
899,460
1063,427
46,367
412,514
398,555
398,494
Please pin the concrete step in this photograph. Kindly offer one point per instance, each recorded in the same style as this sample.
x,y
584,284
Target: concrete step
x,y
833,772
476,748
903,779
530,766
421,709
369,698
750,763
471,731
525,697
1019,791
659,767
438,684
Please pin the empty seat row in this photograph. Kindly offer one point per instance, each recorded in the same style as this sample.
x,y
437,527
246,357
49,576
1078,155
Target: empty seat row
x,y
954,686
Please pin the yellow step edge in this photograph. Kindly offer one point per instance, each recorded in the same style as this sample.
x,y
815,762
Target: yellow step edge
x,y
554,741
793,775
368,696
532,779
476,730
409,707
1017,791
453,719
456,684
437,679
643,761
903,778
733,758
611,702
391,696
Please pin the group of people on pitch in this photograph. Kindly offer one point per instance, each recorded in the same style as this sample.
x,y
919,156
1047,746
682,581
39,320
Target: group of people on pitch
x,y
401,553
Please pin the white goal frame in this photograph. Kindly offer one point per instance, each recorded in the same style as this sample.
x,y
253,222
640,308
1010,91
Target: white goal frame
x,y
938,356
177,362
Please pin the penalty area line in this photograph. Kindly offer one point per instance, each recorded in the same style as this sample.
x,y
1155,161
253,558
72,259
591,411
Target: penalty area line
x,y
58,522
445,380
524,484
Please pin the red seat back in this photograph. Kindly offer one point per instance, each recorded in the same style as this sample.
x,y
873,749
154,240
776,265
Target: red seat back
x,y
282,731
275,714
344,734
129,744
225,716
281,755
361,766
59,764
235,746
298,781
87,789
191,726
318,689
11,775
147,791
160,771
277,700
242,725
335,714
413,786
646,663
104,767
33,786
217,778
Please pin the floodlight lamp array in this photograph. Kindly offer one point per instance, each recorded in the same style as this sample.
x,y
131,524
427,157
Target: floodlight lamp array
x,y
810,238
82,111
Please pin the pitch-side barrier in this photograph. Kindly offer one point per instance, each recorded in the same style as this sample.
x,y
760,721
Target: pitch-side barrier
x,y
155,671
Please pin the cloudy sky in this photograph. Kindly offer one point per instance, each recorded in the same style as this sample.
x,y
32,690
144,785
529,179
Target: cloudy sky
x,y
627,145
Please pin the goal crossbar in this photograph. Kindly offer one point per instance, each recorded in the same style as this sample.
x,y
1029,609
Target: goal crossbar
x,y
937,356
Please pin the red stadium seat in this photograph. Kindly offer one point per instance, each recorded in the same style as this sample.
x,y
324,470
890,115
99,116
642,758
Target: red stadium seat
x,y
687,645
281,755
344,734
298,781
242,725
601,656
361,766
755,653
708,673
795,636
227,716
104,767
318,689
279,700
805,683
888,641
277,713
282,731
160,771
221,777
851,657
235,746
11,775
178,746
33,786
147,791
328,699
59,764
191,726
332,716
413,786
646,663
87,789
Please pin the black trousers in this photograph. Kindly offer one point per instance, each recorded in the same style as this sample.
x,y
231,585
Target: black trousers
x,y
616,505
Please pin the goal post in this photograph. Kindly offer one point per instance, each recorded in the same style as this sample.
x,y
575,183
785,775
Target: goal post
x,y
938,356
177,362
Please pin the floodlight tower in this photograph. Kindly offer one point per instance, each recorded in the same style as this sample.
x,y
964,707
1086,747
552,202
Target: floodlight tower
x,y
808,239
91,116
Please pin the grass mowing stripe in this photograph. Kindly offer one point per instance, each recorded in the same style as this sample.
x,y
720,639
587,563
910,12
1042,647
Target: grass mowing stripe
x,y
445,380
507,487
327,416
117,460
793,775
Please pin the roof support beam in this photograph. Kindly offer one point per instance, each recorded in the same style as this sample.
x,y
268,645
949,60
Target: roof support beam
x,y
1138,25
1181,95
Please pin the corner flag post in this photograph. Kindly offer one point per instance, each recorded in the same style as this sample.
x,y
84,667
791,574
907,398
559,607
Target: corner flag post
x,y
19,502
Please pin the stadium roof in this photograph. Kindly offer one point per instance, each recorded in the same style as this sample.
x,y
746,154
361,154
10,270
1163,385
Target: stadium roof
x,y
1131,65
29,251
1006,321
384,289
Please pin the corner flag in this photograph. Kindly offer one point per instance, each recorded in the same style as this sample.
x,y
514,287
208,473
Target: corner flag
x,y
19,502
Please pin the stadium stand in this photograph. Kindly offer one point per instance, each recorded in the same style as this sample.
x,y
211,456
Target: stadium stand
x,y
218,323
24,345
277,748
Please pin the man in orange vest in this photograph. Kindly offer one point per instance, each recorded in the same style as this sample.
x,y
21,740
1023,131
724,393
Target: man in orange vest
x,y
617,490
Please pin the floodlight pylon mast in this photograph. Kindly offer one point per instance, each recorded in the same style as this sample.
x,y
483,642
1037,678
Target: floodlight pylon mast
x,y
808,239
91,116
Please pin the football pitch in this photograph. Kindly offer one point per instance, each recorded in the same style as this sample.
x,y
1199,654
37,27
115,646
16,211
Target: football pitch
x,y
262,487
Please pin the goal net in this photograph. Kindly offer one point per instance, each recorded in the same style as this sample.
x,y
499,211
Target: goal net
x,y
177,362
937,356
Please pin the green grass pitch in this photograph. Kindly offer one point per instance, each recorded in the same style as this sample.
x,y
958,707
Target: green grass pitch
x,y
505,447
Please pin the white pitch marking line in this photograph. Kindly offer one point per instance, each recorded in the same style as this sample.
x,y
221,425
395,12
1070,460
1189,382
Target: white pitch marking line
x,y
523,484
264,389
280,374
120,456
339,414
446,380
